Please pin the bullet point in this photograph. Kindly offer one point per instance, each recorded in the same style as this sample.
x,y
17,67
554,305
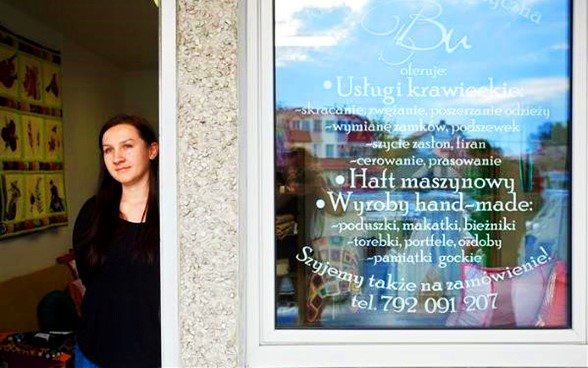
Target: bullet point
x,y
327,85
340,179
320,204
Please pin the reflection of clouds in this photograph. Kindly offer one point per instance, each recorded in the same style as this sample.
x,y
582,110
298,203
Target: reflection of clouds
x,y
499,3
494,3
291,54
291,30
560,47
544,89
529,3
462,2
542,55
534,90
313,41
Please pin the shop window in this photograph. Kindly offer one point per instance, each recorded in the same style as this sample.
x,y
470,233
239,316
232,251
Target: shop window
x,y
449,215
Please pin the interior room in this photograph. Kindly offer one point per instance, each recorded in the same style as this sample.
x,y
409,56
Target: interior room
x,y
106,54
109,55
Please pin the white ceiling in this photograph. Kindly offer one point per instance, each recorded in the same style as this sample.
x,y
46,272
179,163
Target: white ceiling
x,y
122,31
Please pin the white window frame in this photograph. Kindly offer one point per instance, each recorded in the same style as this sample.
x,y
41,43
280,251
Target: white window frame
x,y
170,332
268,347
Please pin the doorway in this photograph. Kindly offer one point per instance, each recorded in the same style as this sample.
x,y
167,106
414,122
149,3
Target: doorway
x,y
110,64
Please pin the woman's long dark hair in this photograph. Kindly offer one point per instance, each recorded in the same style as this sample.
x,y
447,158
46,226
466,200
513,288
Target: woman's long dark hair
x,y
108,196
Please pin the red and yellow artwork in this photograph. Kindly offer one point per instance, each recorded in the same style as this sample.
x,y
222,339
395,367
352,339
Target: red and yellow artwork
x,y
8,74
32,184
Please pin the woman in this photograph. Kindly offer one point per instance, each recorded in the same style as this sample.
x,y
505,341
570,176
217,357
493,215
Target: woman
x,y
116,239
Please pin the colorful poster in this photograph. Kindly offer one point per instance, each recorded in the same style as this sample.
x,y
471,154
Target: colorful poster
x,y
52,84
35,196
54,140
422,158
14,199
31,137
10,136
55,192
8,74
30,78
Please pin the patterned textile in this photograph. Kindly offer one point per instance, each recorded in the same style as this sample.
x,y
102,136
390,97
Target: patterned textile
x,y
335,251
285,225
32,184
33,349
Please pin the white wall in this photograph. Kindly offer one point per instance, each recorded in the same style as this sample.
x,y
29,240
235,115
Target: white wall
x,y
141,94
93,90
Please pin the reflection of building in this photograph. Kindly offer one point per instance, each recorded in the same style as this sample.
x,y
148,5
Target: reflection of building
x,y
547,173
332,139
336,141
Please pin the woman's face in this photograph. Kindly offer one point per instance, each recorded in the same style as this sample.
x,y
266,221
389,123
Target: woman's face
x,y
126,155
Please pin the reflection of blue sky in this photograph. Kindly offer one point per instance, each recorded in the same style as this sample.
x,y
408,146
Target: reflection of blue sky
x,y
322,20
320,40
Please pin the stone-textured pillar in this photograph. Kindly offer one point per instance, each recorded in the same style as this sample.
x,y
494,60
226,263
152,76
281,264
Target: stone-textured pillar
x,y
208,173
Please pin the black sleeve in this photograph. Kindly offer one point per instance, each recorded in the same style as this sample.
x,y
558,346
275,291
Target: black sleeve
x,y
81,229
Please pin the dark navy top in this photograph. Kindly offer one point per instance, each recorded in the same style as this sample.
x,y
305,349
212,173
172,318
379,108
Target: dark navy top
x,y
120,324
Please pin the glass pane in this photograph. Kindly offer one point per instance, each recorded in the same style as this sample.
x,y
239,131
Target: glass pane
x,y
422,161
